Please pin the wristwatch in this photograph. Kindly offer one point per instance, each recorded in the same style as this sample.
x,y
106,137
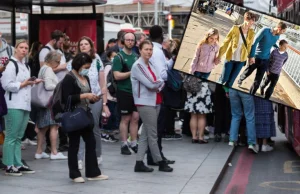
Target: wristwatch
x,y
104,104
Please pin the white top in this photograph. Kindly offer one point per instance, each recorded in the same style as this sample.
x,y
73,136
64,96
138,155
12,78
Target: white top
x,y
60,75
106,71
93,74
20,98
50,79
237,54
159,60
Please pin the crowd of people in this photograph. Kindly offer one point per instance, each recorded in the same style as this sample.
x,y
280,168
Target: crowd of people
x,y
128,89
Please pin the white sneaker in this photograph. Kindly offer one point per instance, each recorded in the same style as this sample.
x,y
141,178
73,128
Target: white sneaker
x,y
79,180
257,147
58,156
231,143
252,149
32,143
26,141
98,178
206,137
80,165
99,160
266,148
43,155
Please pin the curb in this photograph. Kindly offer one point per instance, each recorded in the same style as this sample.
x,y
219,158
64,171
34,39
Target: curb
x,y
219,179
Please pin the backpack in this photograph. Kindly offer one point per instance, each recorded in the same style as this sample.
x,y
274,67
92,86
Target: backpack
x,y
57,107
17,71
34,63
9,51
192,84
111,83
174,80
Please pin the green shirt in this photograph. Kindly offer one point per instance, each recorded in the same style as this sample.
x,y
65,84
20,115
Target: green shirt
x,y
124,85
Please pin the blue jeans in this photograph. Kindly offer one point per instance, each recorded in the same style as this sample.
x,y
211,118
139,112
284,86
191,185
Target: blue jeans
x,y
230,71
202,75
242,103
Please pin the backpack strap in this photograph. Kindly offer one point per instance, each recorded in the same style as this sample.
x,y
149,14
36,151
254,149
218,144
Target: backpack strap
x,y
9,51
17,71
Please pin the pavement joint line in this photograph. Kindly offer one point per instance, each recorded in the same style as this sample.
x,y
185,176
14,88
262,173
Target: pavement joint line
x,y
198,168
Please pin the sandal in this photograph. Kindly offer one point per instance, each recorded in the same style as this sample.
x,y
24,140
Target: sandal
x,y
202,141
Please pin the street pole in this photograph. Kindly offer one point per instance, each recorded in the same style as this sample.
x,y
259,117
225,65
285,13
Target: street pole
x,y
139,14
156,12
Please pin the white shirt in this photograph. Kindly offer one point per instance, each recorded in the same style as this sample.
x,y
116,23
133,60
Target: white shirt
x,y
21,97
237,54
159,60
60,75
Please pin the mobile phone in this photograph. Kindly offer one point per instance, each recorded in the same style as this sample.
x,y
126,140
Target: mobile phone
x,y
33,78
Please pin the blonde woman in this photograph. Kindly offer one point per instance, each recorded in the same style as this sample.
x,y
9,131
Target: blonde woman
x,y
237,50
205,57
17,83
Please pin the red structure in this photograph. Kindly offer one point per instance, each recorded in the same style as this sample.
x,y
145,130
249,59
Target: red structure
x,y
289,10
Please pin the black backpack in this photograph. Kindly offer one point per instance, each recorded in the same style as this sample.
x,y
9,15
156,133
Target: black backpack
x,y
17,71
34,63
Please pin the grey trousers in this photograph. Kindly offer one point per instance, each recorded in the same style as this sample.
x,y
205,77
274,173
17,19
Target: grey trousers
x,y
149,115
96,111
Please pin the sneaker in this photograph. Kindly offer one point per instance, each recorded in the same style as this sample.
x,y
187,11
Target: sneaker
x,y
43,155
99,160
125,150
26,141
231,143
98,178
206,137
12,171
266,148
172,137
79,180
26,170
108,138
257,147
134,148
80,165
252,149
58,156
32,143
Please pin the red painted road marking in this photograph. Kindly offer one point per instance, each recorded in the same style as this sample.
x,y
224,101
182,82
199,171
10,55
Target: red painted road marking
x,y
240,178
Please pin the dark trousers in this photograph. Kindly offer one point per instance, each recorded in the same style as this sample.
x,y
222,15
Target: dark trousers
x,y
261,66
271,79
170,115
91,164
222,111
114,120
160,130
63,138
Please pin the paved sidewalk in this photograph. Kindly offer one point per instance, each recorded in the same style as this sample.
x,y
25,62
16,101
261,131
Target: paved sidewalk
x,y
196,170
196,28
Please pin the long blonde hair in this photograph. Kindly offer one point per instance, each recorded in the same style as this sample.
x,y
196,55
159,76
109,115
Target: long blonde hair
x,y
209,33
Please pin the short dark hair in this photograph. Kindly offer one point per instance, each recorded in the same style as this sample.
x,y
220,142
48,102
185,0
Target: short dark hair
x,y
112,40
120,34
57,34
282,42
145,42
156,32
109,53
81,59
282,25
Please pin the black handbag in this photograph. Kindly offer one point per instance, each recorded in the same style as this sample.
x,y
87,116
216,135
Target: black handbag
x,y
77,119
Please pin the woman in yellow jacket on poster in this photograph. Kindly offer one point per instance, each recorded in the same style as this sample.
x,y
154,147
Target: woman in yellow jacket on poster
x,y
237,46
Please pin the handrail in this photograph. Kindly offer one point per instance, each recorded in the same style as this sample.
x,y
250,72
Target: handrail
x,y
293,49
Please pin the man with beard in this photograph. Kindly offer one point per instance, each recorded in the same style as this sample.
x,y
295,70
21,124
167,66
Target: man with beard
x,y
66,48
259,56
121,68
56,42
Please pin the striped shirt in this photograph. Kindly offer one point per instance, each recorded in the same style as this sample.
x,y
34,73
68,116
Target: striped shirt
x,y
277,60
